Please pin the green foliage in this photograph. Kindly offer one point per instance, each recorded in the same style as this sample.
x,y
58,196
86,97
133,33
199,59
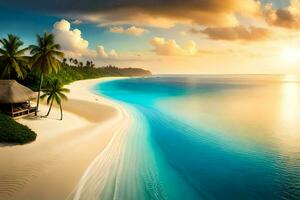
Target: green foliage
x,y
44,58
68,74
54,91
48,63
45,54
13,132
13,63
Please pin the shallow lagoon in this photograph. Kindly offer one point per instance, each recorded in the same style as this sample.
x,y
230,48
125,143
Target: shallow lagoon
x,y
208,137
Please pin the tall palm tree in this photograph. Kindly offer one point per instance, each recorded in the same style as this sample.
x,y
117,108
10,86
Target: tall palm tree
x,y
54,91
75,61
45,57
92,64
13,61
64,61
88,64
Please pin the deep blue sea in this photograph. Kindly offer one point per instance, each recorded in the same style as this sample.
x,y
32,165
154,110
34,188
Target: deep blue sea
x,y
207,137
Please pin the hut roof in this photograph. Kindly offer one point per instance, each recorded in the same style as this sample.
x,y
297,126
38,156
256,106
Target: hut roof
x,y
13,92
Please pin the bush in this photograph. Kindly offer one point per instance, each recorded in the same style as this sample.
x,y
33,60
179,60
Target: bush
x,y
13,132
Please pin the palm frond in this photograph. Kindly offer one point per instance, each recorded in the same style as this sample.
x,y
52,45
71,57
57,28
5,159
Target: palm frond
x,y
22,51
13,57
62,96
44,95
57,99
50,97
47,52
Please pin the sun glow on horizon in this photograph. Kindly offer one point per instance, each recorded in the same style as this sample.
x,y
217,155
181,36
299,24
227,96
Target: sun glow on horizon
x,y
291,54
290,78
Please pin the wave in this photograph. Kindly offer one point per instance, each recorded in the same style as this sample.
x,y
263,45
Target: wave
x,y
124,170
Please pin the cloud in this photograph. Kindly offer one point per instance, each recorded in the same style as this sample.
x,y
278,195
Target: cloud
x,y
135,31
160,13
165,47
74,45
236,33
288,17
183,33
117,30
76,21
71,41
166,14
102,53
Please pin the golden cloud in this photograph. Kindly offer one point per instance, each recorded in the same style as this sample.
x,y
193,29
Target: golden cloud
x,y
236,33
165,47
135,31
288,17
168,13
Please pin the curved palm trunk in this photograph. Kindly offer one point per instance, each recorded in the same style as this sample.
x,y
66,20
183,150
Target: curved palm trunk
x,y
49,108
61,113
39,94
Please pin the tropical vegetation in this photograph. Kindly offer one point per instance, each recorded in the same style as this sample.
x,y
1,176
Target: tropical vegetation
x,y
13,132
13,61
45,58
43,67
54,91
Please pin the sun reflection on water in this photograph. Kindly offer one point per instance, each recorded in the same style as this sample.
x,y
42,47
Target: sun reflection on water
x,y
289,125
290,99
290,78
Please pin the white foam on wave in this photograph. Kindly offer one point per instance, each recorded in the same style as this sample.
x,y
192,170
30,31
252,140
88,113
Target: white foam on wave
x,y
125,169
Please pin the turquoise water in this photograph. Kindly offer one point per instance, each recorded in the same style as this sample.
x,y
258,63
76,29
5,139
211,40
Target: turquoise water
x,y
207,137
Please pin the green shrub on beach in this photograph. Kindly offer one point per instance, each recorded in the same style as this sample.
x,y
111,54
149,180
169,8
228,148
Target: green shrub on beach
x,y
13,132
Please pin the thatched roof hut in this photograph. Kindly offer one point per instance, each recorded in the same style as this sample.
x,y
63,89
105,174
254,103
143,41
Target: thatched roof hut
x,y
12,92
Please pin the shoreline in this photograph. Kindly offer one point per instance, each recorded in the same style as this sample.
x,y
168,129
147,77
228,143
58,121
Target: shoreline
x,y
51,167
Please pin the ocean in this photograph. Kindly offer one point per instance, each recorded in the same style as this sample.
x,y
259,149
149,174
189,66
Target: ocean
x,y
203,137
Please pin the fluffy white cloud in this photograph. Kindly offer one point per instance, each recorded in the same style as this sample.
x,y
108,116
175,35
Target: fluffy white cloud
x,y
135,31
171,48
103,54
71,41
74,45
113,53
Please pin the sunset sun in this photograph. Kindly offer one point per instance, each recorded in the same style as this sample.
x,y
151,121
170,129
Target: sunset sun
x,y
290,54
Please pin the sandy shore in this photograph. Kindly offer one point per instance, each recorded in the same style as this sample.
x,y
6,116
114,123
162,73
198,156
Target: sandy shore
x,y
51,167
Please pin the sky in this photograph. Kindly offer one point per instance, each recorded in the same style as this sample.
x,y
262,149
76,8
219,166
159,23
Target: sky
x,y
166,36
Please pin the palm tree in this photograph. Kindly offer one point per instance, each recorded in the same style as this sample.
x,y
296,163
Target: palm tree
x,y
92,64
64,61
88,64
54,91
75,61
12,57
45,58
80,64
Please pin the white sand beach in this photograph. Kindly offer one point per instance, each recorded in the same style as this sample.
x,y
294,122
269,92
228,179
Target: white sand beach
x,y
51,166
